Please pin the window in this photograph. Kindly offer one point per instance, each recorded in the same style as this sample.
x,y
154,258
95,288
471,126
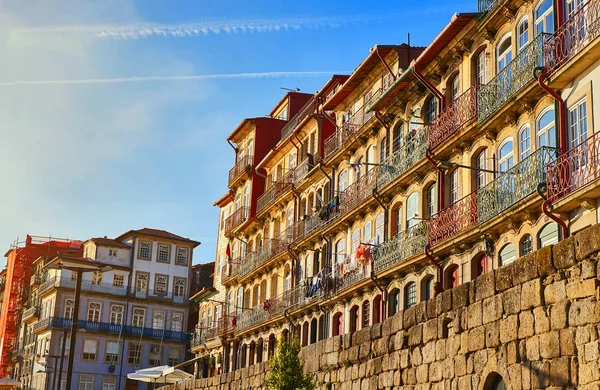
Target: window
x,y
86,382
134,355
355,241
432,110
139,317
505,155
112,352
412,210
69,305
508,254
177,321
247,196
431,201
578,127
367,231
396,217
379,228
481,177
382,150
544,18
524,142
504,53
141,282
410,295
182,256
89,349
454,187
573,6
116,314
159,319
154,358
370,157
160,284
179,288
427,286
526,245
112,253
455,88
343,180
118,280
144,252
481,68
366,311
546,134
548,235
340,249
94,309
523,33
163,252
173,356
109,384
97,277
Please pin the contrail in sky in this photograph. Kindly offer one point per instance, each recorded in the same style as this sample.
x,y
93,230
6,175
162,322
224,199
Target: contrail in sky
x,y
144,30
169,78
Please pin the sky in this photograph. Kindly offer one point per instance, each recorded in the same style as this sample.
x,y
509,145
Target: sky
x,y
114,113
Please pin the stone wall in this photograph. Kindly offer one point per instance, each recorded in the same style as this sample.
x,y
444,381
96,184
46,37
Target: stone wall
x,y
534,322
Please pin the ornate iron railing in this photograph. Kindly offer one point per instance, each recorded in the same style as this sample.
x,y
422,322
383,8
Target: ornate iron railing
x,y
357,192
574,169
453,220
349,279
230,269
303,168
573,36
227,323
202,335
485,6
36,279
306,110
240,167
238,217
270,249
262,312
401,247
32,312
454,116
510,80
280,187
412,149
514,185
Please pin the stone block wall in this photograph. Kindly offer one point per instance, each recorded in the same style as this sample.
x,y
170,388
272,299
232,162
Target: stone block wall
x,y
535,323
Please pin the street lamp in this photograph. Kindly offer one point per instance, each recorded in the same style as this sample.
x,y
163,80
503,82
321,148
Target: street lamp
x,y
77,265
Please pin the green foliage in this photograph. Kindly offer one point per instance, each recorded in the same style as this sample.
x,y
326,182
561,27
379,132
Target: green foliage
x,y
286,371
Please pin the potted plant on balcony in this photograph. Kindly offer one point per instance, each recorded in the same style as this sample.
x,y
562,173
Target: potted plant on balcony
x,y
211,362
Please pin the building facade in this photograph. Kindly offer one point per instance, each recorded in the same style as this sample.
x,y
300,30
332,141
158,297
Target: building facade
x,y
130,317
422,170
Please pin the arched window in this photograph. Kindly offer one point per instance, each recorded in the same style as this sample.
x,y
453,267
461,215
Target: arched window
x,y
481,68
544,127
451,276
377,308
544,17
382,150
394,302
412,210
495,382
431,201
522,33
313,330
272,346
370,157
305,331
379,225
481,176
396,217
548,235
343,180
478,265
397,137
354,319
454,187
410,295
503,53
366,313
526,244
507,255
524,142
506,158
454,85
367,231
432,109
340,251
427,288
338,324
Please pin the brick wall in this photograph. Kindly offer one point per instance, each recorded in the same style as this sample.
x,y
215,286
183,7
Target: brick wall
x,y
535,322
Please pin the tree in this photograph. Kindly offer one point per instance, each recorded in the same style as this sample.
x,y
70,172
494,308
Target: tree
x,y
286,369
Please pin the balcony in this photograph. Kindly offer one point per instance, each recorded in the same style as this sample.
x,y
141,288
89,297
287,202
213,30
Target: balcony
x,y
230,270
485,6
350,278
270,249
357,192
105,327
453,220
454,116
262,312
226,324
32,312
242,165
406,244
236,219
573,36
303,169
574,169
305,227
277,190
306,110
36,280
412,149
514,185
510,80
202,335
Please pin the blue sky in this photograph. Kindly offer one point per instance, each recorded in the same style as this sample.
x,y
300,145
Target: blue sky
x,y
98,158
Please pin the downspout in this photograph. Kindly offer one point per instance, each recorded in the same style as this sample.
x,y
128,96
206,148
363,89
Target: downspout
x,y
383,293
387,133
546,209
321,165
289,320
441,176
440,277
385,213
233,146
428,85
385,63
542,74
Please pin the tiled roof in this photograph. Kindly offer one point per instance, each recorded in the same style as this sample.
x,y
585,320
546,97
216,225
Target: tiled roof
x,y
158,233
108,242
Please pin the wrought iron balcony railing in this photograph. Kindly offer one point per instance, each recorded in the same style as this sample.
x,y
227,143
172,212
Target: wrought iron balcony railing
x,y
306,110
238,217
574,169
406,244
453,220
514,185
262,312
510,80
573,36
32,312
242,165
303,168
412,149
349,279
485,6
36,279
454,116
270,249
357,192
202,335
280,187
230,270
227,323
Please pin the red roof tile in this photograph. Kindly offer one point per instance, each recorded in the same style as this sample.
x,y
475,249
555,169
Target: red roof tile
x,y
108,242
158,233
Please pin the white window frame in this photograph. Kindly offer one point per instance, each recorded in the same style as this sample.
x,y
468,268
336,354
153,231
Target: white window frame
x,y
412,210
522,33
505,57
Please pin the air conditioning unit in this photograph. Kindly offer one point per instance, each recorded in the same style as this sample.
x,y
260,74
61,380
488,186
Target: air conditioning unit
x,y
155,349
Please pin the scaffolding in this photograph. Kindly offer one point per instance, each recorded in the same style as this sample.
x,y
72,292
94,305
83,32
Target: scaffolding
x,y
19,269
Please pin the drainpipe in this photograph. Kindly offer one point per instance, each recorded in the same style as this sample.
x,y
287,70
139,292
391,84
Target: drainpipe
x,y
321,165
428,85
441,176
385,63
542,74
546,209
385,213
289,320
233,146
294,262
387,133
440,276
